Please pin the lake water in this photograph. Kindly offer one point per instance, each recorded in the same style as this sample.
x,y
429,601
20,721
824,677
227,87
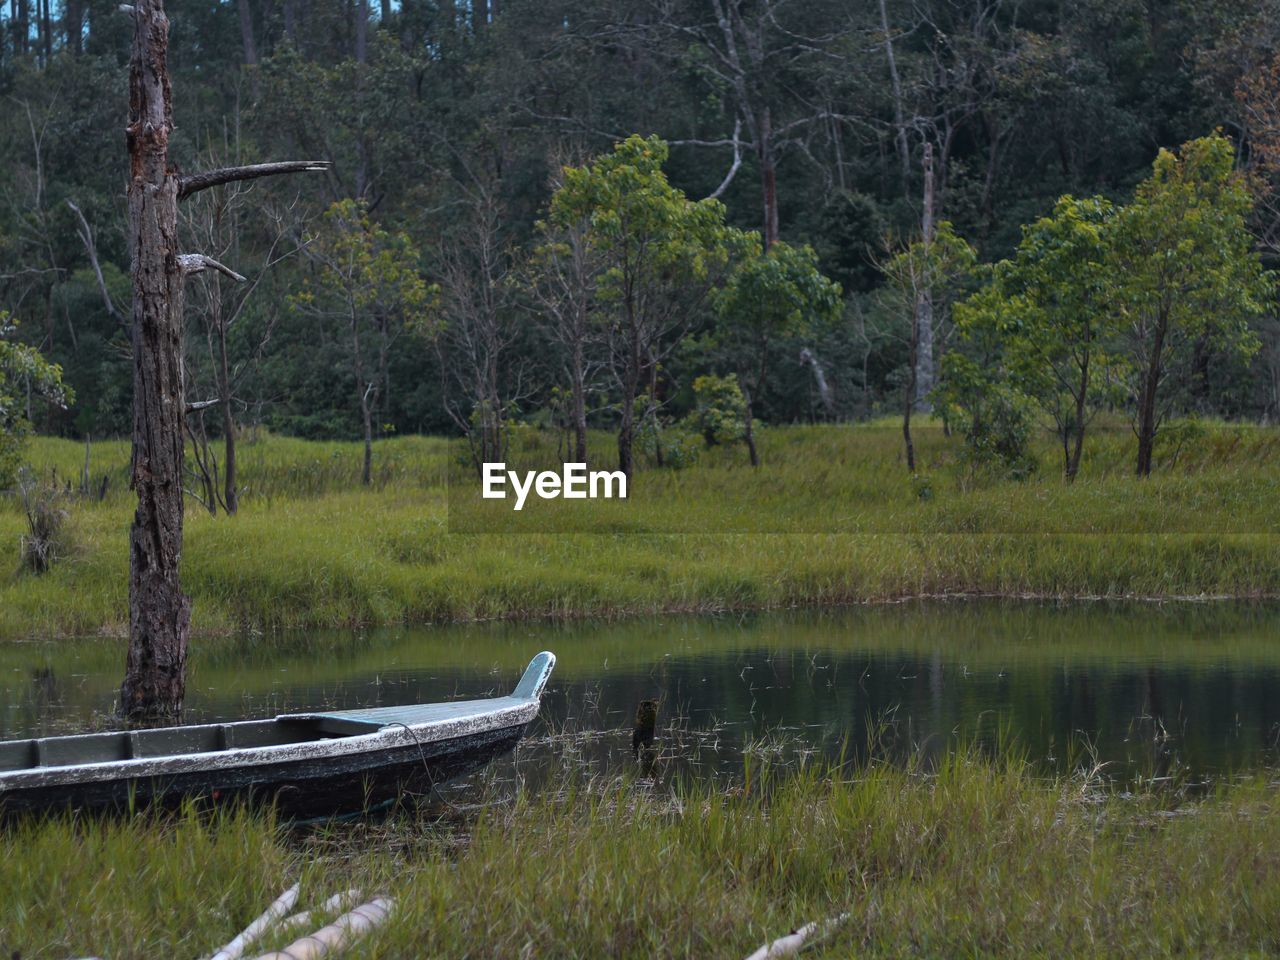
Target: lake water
x,y
1150,689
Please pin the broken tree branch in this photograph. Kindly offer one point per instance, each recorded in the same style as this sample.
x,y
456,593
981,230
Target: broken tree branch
x,y
198,262
212,178
86,237
198,405
792,943
737,162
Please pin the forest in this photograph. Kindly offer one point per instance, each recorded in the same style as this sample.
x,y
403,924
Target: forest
x,y
650,217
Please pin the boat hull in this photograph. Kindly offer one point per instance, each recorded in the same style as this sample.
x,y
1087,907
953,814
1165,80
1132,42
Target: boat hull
x,y
298,788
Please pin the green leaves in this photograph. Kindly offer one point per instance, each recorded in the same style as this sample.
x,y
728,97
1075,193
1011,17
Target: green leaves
x,y
931,266
22,368
775,294
369,268
646,230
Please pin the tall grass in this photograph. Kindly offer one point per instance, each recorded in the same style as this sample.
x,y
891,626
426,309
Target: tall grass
x,y
831,517
970,857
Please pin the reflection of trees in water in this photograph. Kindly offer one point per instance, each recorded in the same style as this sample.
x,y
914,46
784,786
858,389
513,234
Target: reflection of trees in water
x,y
911,678
44,686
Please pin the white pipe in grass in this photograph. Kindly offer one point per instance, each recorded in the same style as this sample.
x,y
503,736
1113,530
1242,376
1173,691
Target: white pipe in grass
x,y
339,901
282,905
337,935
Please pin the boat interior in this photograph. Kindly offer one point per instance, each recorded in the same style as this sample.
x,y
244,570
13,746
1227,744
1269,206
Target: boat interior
x,y
175,741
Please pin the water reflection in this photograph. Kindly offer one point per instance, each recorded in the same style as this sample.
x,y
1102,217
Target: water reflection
x,y
1149,689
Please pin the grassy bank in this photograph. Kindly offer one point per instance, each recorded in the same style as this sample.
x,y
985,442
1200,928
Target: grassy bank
x,y
975,858
831,517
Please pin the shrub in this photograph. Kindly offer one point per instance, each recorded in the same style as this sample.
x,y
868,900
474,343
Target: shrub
x,y
995,418
718,410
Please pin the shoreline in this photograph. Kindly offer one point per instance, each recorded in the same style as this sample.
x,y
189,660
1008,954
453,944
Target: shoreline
x,y
618,615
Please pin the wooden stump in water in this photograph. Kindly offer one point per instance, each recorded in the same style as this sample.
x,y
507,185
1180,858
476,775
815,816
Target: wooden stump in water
x,y
646,725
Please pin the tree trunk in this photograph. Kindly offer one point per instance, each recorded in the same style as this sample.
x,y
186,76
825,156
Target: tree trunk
x,y
159,612
810,359
363,388
748,434
651,414
899,124
362,31
579,404
924,297
1082,398
1147,400
630,386
46,30
366,473
909,394
73,24
626,432
768,181
230,498
22,30
246,33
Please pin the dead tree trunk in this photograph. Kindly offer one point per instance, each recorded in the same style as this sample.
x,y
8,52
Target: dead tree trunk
x,y
768,180
810,359
159,612
924,298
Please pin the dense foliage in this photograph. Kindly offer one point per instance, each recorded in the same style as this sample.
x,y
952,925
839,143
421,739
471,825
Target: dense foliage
x,y
450,128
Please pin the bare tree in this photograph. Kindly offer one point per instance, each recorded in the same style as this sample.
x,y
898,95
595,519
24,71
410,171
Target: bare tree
x,y
761,64
563,284
214,223
478,328
159,612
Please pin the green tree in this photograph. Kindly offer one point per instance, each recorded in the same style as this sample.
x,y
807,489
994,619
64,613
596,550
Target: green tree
x,y
1185,272
660,256
23,373
368,280
769,296
936,268
1048,308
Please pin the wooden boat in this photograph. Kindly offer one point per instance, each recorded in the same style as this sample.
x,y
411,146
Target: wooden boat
x,y
309,765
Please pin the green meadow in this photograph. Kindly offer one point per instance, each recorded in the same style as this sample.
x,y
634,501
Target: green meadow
x,y
831,517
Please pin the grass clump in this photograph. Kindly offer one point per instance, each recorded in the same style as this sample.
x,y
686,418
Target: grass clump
x,y
970,856
44,542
